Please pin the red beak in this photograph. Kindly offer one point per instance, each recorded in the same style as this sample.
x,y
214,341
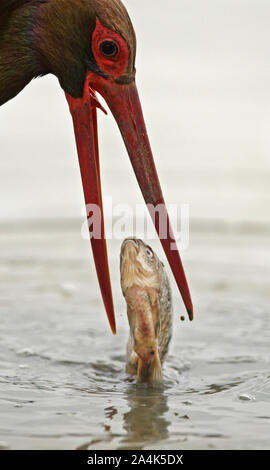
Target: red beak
x,y
124,103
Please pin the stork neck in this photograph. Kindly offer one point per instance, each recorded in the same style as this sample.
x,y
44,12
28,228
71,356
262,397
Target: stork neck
x,y
18,64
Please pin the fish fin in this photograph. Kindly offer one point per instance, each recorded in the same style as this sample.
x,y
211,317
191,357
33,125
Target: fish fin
x,y
153,295
132,358
132,364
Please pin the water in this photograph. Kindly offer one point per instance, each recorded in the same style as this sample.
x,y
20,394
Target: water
x,y
63,383
62,374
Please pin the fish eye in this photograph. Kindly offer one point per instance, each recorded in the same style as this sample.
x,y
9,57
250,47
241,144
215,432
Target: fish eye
x,y
109,48
149,252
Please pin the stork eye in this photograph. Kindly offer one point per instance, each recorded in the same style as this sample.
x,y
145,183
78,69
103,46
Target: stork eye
x,y
109,48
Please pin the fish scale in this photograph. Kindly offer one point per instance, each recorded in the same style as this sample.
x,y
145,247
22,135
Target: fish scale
x,y
147,292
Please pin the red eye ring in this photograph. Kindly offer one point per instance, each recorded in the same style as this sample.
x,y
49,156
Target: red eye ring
x,y
109,48
115,64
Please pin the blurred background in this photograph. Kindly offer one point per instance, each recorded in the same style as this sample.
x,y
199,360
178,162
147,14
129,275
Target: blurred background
x,y
203,74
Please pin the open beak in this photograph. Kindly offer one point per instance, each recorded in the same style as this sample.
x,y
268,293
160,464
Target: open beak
x,y
124,103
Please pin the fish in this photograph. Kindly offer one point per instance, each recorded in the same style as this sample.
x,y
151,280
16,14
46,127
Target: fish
x,y
147,292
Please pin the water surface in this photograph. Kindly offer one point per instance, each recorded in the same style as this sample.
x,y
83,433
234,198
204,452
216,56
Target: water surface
x,y
62,373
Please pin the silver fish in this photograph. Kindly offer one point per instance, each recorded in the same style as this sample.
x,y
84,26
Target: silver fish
x,y
147,292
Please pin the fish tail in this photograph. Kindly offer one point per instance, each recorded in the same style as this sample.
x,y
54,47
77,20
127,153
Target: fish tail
x,y
156,373
150,371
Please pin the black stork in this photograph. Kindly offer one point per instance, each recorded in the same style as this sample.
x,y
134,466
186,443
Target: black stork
x,y
90,46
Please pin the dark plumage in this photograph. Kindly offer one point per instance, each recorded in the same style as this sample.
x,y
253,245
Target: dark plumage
x,y
17,62
38,37
7,6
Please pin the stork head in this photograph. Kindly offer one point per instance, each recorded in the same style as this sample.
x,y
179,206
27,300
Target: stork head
x,y
90,46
